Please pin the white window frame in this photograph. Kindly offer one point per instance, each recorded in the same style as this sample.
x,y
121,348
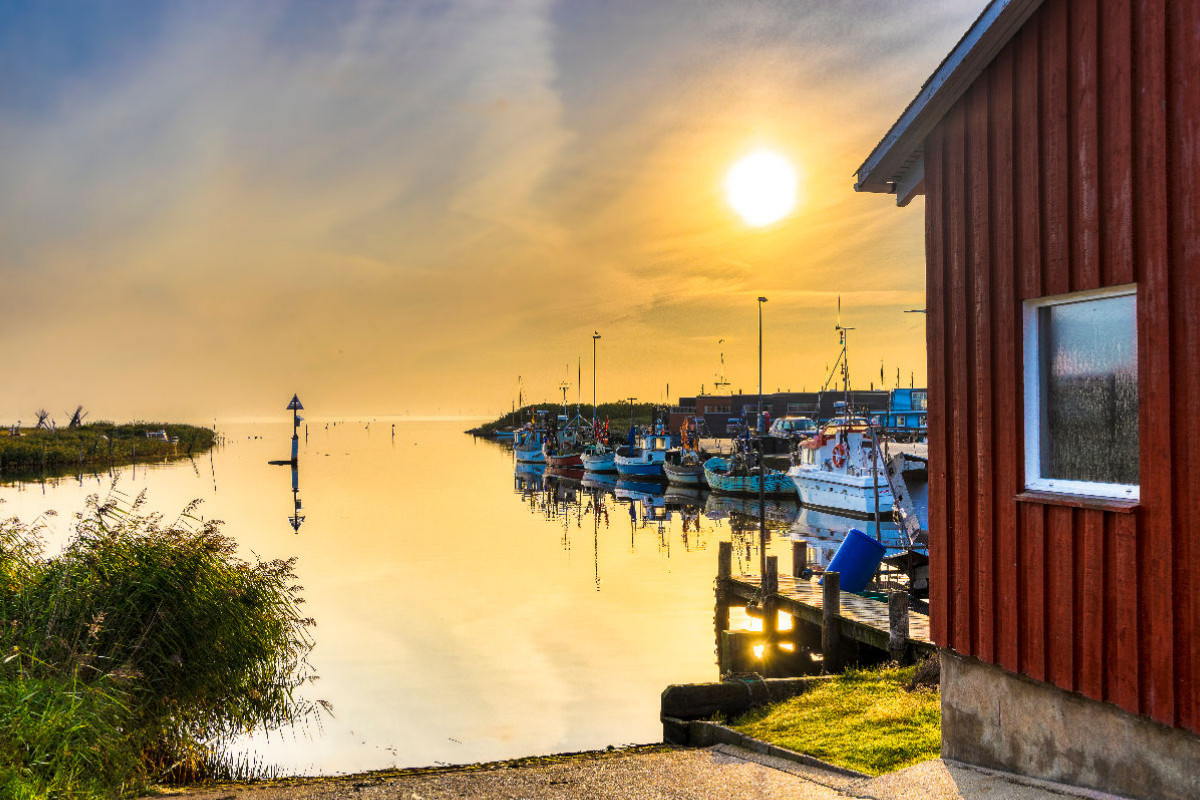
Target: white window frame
x,y
1033,402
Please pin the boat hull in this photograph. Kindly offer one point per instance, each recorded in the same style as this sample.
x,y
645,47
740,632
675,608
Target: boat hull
x,y
530,456
604,462
688,475
844,494
569,461
638,469
719,480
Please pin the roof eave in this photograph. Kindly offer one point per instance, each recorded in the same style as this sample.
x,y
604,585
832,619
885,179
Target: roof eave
x,y
901,152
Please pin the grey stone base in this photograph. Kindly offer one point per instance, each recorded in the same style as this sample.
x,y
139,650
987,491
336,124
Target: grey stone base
x,y
993,718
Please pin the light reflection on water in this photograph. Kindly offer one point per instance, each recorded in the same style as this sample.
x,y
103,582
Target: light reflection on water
x,y
466,611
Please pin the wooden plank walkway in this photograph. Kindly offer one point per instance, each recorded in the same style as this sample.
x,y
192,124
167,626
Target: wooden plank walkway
x,y
862,618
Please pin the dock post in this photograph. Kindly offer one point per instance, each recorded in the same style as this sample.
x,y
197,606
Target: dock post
x,y
799,559
771,608
897,624
831,611
721,616
770,583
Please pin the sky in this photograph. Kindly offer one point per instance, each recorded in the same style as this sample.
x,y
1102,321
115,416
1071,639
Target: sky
x,y
420,207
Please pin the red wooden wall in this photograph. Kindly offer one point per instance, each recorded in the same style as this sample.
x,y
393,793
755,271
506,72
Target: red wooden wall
x,y
1072,163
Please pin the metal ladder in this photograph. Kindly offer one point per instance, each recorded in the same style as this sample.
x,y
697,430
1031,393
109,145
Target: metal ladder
x,y
902,503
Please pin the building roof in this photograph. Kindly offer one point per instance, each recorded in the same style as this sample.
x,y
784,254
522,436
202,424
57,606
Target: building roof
x,y
897,164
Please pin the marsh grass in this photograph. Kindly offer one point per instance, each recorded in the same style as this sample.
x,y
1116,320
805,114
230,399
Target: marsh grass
x,y
99,444
866,720
147,645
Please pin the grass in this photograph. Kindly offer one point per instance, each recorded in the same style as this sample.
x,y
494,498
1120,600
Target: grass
x,y
138,651
64,451
865,720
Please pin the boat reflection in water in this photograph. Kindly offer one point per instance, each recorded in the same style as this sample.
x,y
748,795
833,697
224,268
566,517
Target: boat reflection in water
x,y
780,513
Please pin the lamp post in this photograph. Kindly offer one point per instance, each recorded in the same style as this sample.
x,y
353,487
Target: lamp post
x,y
595,336
758,422
762,468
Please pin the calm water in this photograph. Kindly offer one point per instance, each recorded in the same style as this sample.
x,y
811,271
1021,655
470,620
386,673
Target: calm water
x,y
465,612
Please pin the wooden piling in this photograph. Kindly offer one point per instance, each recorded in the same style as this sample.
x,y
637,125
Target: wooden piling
x,y
897,624
799,559
721,616
770,606
831,606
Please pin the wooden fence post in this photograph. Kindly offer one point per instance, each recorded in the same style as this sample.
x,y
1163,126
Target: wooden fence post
x,y
831,611
897,624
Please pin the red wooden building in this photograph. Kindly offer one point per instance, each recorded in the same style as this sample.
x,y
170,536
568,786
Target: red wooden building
x,y
1058,150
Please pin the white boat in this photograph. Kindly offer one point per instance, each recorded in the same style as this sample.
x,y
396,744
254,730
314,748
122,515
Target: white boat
x,y
527,444
838,470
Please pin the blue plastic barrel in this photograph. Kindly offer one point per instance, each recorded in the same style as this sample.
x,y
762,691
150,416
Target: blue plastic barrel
x,y
856,560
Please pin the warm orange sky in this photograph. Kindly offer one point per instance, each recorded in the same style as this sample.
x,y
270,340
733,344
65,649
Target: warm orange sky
x,y
393,207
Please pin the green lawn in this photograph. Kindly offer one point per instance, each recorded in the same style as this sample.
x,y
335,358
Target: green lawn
x,y
865,720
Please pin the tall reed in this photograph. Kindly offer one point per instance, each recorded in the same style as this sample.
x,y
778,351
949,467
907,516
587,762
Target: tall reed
x,y
158,627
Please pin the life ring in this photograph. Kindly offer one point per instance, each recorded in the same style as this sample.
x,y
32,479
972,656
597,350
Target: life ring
x,y
839,455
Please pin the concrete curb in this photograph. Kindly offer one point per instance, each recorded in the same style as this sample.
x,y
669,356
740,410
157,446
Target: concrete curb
x,y
701,733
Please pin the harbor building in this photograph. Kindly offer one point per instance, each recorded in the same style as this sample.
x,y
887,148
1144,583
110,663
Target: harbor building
x,y
1058,151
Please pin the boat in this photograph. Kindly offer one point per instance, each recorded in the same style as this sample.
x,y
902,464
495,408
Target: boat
x,y
685,464
839,470
598,457
527,445
685,467
735,476
563,459
645,458
505,435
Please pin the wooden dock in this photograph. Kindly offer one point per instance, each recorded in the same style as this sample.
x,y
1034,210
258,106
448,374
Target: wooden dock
x,y
846,628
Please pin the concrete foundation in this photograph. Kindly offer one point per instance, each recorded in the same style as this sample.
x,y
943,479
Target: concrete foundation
x,y
996,719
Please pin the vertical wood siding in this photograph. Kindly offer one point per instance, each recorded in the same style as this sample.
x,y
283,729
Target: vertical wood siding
x,y
1072,163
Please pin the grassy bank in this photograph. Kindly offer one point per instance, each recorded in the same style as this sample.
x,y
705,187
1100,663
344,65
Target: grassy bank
x,y
137,652
873,721
95,445
616,413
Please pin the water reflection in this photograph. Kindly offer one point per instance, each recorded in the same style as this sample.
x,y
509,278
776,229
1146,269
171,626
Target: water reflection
x,y
466,610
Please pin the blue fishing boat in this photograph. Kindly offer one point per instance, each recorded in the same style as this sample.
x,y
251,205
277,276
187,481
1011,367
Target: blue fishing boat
x,y
645,458
735,476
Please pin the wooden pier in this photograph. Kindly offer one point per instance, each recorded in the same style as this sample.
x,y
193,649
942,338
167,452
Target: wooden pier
x,y
846,629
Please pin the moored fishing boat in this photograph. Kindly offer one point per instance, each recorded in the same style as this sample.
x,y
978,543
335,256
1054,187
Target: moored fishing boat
x,y
684,467
685,464
734,476
840,470
598,458
645,458
527,445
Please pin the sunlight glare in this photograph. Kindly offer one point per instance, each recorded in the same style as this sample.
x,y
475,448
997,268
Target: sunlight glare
x,y
761,187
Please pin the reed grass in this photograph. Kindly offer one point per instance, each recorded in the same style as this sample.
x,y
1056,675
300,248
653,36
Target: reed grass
x,y
146,646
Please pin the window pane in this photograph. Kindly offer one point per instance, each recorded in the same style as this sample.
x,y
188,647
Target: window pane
x,y
1089,390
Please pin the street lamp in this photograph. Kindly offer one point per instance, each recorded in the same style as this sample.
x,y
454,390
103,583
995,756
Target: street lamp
x,y
762,470
595,336
758,421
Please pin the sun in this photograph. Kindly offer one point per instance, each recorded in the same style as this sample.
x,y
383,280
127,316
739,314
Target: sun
x,y
761,187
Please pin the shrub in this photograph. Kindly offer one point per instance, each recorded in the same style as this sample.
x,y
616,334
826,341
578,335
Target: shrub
x,y
159,628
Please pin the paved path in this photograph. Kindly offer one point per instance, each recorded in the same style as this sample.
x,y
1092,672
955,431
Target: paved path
x,y
652,773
